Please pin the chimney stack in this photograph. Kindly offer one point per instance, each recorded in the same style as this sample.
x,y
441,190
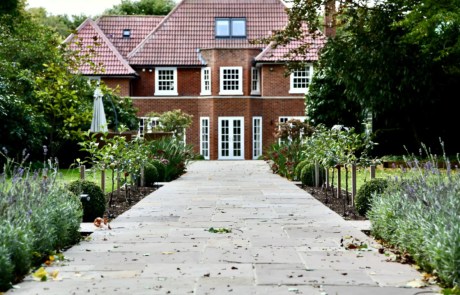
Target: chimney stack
x,y
329,19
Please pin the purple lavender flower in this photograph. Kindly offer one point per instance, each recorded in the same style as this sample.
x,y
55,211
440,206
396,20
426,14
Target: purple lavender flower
x,y
5,150
412,191
45,150
393,165
448,226
396,178
30,212
420,151
24,152
27,156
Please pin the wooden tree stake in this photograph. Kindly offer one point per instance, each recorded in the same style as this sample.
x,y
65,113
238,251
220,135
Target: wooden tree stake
x,y
338,182
118,185
103,181
316,174
82,172
353,184
142,176
372,171
327,178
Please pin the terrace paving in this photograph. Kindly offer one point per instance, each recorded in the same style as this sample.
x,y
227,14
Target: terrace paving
x,y
283,241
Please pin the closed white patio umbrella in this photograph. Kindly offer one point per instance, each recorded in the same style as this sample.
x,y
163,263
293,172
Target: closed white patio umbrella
x,y
98,113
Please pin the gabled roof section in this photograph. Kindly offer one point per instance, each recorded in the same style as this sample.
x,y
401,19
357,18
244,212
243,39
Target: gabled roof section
x,y
139,25
113,62
277,54
190,25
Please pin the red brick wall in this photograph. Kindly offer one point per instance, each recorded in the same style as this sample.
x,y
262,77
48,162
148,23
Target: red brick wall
x,y
269,109
122,82
274,83
217,58
188,82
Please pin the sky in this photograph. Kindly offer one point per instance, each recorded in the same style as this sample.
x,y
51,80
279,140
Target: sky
x,y
88,7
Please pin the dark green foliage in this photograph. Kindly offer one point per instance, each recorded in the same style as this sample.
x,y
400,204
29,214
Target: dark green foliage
x,y
199,158
96,206
327,103
142,7
364,196
126,112
150,175
299,167
308,177
173,153
161,169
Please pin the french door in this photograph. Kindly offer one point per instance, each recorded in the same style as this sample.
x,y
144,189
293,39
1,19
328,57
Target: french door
x,y
231,138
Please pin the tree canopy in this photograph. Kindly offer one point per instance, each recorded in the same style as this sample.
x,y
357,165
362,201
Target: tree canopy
x,y
142,7
397,59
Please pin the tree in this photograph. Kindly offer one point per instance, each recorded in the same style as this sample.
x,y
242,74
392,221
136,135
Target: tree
x,y
173,121
12,7
328,104
383,65
60,24
142,7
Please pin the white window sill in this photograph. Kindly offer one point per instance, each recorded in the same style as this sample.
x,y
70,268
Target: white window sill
x,y
166,93
255,93
230,93
205,93
298,91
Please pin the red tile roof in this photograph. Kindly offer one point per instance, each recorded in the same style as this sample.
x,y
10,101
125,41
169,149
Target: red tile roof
x,y
277,54
191,26
114,64
139,25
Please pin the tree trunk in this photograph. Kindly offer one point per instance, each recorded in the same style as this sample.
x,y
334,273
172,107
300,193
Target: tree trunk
x,y
332,184
346,184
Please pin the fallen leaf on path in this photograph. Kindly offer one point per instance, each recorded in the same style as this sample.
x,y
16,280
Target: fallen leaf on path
x,y
167,253
417,284
146,254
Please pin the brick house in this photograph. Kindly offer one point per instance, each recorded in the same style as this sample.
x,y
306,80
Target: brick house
x,y
198,59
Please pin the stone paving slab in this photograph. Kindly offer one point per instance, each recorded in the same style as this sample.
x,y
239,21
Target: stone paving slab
x,y
283,241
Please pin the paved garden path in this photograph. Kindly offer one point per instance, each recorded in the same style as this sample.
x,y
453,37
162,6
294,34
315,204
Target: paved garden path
x,y
283,241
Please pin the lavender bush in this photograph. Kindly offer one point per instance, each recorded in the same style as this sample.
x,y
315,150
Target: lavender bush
x,y
420,212
37,216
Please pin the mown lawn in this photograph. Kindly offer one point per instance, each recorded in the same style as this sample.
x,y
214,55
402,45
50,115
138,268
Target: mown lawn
x,y
69,175
363,175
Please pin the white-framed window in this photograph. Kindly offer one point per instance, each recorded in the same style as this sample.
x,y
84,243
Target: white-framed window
x,y
147,125
285,119
205,81
166,81
231,80
97,79
255,80
301,79
204,137
256,137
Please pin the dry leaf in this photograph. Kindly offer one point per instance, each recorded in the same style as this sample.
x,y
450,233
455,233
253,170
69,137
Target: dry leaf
x,y
55,273
417,284
167,253
78,275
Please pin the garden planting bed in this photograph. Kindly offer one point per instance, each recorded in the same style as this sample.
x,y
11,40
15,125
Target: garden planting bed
x,y
334,203
122,204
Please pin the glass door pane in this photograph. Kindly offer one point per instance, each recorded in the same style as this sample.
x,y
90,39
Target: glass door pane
x,y
225,138
237,138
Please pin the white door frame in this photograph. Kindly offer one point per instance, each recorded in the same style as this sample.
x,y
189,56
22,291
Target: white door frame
x,y
201,137
259,149
231,135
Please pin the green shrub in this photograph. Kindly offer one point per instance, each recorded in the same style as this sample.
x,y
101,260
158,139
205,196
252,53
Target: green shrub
x,y
173,153
96,206
308,173
298,169
366,192
150,175
199,158
161,169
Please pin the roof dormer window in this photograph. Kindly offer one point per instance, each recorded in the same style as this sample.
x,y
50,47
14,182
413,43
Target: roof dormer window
x,y
126,33
230,28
